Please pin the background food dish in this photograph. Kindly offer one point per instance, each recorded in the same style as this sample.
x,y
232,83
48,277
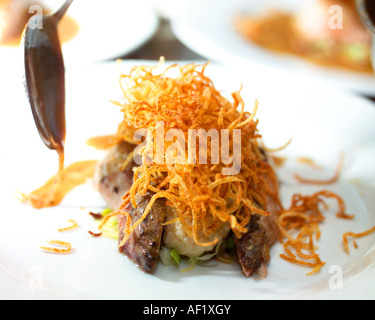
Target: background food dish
x,y
318,32
96,270
215,37
106,30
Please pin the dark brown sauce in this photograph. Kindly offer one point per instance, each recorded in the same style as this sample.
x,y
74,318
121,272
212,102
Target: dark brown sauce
x,y
274,32
370,9
68,28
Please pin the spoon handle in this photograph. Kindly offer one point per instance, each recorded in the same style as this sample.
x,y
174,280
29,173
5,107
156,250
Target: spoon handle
x,y
61,12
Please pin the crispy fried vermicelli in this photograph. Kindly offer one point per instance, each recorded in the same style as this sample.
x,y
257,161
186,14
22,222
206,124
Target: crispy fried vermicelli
x,y
355,235
203,197
95,234
334,178
74,225
67,247
304,216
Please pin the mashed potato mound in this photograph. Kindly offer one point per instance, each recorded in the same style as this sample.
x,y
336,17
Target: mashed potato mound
x,y
176,238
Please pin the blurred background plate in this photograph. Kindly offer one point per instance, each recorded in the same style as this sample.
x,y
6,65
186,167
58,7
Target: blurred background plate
x,y
99,30
207,27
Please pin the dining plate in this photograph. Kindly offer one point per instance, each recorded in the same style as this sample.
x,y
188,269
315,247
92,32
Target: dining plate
x,y
105,29
214,36
323,122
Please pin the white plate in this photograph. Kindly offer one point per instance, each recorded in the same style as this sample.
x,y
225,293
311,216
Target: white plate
x,y
107,29
207,27
322,122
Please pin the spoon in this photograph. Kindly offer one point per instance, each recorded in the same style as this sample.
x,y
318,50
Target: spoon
x,y
45,79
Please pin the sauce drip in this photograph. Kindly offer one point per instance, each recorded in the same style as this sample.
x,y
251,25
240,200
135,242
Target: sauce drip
x,y
57,187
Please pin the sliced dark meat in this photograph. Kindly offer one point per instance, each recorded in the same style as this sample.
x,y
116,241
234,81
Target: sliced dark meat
x,y
111,180
143,245
253,248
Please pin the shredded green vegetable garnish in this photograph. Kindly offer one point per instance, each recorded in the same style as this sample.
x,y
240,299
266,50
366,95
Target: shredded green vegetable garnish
x,y
110,230
106,212
224,259
176,256
193,261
